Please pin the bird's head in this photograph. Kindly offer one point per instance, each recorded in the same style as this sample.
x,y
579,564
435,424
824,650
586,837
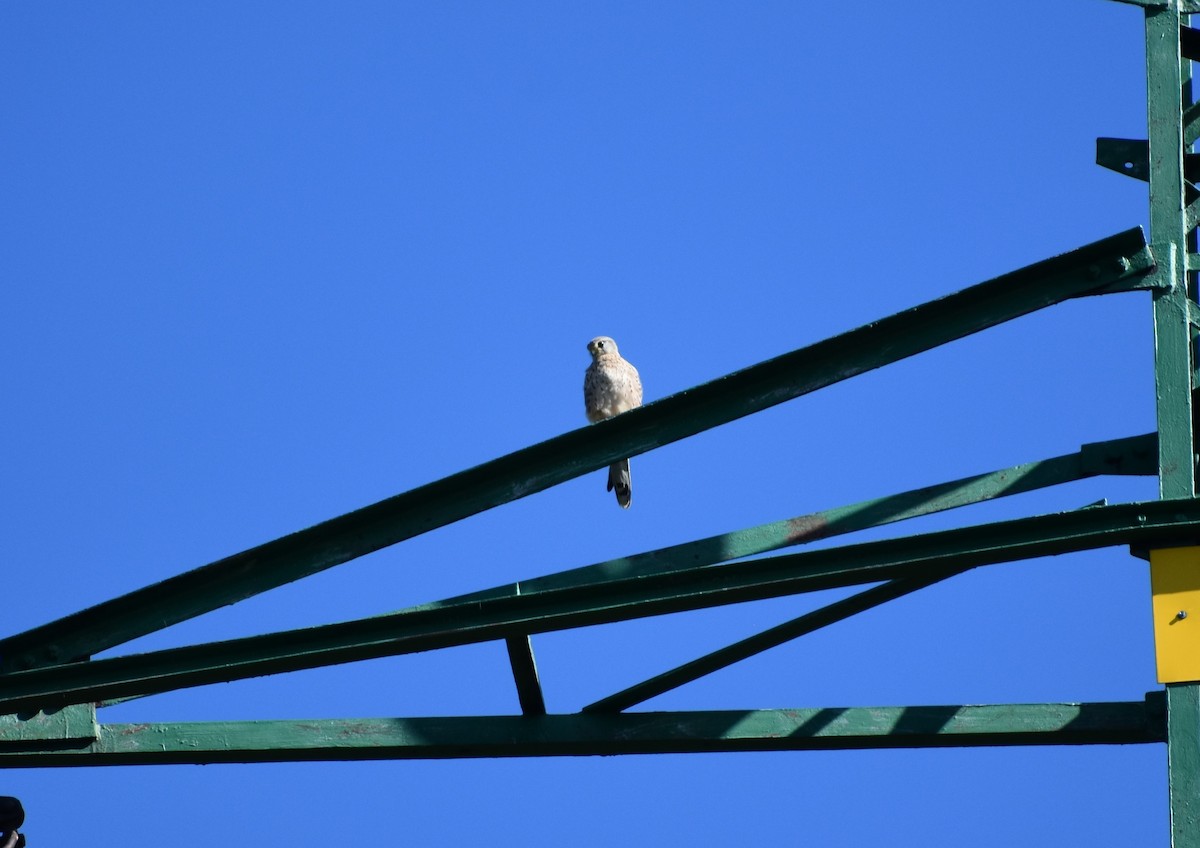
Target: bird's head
x,y
600,346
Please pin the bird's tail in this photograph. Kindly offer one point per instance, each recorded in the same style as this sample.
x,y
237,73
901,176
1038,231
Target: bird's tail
x,y
619,481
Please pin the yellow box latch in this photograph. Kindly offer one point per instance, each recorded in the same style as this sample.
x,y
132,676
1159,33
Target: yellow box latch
x,y
1175,585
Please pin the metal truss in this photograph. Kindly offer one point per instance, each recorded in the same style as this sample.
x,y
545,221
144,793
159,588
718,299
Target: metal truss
x,y
51,687
49,674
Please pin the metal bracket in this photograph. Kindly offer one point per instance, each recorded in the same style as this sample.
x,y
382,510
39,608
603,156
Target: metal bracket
x,y
1132,455
1131,157
1143,272
1128,156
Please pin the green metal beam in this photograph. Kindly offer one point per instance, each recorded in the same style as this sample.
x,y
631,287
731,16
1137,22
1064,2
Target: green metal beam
x,y
525,675
1167,101
759,642
1115,723
1126,456
1160,522
1086,270
1134,455
1172,334
1183,761
70,727
1147,4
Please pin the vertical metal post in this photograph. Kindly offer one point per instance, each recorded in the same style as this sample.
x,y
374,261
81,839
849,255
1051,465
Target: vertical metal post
x,y
1168,80
1165,78
1183,762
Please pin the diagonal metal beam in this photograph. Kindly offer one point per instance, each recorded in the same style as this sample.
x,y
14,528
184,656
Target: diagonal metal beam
x,y
1127,456
759,642
1088,269
838,728
1134,455
1147,4
1162,523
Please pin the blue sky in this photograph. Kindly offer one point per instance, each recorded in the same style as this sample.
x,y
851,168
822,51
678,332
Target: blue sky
x,y
267,263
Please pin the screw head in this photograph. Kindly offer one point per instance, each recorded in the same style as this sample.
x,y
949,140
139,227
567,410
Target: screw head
x,y
1181,615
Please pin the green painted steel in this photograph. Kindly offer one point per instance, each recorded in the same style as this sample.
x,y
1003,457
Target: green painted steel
x,y
1172,335
48,675
1173,522
835,728
1148,4
1135,455
756,644
1089,269
70,725
525,675
1167,96
1183,761
1191,132
1127,156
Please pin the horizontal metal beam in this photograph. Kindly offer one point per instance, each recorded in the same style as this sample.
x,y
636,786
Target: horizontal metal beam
x,y
1173,522
1114,723
73,725
1089,269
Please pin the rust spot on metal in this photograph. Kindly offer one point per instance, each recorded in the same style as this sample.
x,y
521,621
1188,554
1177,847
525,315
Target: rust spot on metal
x,y
805,528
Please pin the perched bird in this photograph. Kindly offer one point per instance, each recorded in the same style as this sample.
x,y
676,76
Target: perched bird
x,y
611,386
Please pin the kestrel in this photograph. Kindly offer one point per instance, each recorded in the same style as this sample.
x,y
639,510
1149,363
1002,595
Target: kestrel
x,y
611,386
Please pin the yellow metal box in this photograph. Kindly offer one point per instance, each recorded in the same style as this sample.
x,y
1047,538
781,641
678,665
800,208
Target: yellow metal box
x,y
1175,585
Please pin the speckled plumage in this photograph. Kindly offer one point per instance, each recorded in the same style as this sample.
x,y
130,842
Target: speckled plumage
x,y
611,386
